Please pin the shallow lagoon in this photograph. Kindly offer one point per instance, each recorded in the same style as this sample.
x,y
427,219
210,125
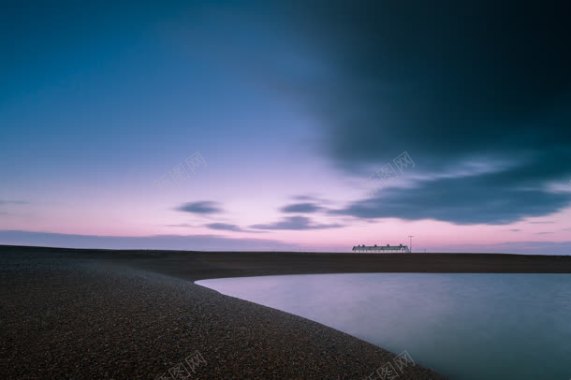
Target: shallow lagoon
x,y
465,326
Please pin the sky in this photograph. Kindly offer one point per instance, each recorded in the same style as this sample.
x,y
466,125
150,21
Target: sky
x,y
286,125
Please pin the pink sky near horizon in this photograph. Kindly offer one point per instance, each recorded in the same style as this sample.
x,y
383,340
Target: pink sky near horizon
x,y
121,215
99,103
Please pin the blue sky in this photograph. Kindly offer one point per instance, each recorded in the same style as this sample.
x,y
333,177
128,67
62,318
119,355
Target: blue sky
x,y
292,109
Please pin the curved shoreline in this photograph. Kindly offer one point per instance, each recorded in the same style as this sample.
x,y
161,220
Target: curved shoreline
x,y
72,316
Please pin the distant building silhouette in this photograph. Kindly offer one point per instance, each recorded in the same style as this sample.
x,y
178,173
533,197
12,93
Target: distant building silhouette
x,y
381,248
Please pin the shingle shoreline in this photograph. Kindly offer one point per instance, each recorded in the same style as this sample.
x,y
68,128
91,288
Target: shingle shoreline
x,y
77,317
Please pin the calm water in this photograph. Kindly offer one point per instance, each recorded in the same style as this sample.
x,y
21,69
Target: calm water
x,y
466,326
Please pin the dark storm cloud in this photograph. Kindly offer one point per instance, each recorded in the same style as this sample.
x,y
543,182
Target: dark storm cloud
x,y
294,223
472,200
450,82
302,207
201,207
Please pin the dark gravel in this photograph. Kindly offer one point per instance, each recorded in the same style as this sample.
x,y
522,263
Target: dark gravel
x,y
72,317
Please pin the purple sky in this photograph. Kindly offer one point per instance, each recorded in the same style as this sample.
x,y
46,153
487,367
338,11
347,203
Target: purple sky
x,y
280,126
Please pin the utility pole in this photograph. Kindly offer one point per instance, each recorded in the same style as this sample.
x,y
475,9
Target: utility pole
x,y
410,245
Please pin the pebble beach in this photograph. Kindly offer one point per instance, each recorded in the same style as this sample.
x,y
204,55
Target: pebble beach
x,y
69,315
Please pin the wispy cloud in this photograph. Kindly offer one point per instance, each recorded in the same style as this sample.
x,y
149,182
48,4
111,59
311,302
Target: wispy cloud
x,y
12,202
295,223
201,207
302,207
228,227
178,242
180,225
6,204
224,227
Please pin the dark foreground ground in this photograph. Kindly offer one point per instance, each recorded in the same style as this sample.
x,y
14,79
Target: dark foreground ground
x,y
96,314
